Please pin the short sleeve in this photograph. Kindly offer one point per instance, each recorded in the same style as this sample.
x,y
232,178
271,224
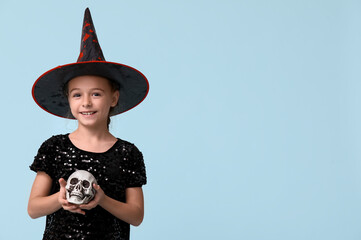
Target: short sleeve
x,y
136,171
44,158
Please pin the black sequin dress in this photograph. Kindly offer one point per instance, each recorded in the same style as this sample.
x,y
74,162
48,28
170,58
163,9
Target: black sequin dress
x,y
120,167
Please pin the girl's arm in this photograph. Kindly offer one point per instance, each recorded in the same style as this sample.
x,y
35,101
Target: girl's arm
x,y
132,211
41,204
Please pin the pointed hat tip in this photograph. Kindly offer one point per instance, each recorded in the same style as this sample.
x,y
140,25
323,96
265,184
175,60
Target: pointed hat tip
x,y
87,11
87,14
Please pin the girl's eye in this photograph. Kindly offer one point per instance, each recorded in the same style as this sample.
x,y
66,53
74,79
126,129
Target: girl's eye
x,y
96,94
76,95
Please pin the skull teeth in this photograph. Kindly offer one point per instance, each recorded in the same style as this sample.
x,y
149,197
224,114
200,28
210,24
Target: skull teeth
x,y
76,195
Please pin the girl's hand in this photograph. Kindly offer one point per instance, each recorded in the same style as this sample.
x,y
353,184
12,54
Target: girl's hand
x,y
98,198
64,203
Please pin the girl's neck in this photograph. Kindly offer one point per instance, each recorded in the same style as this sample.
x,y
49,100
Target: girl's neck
x,y
92,133
92,140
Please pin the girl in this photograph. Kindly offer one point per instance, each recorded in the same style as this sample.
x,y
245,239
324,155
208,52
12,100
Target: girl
x,y
89,91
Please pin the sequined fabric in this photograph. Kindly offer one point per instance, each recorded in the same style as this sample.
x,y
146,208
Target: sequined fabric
x,y
120,167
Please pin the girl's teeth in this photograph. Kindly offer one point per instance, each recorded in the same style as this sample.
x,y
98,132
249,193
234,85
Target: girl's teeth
x,y
87,113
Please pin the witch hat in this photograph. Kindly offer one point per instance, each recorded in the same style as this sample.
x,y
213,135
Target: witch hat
x,y
48,89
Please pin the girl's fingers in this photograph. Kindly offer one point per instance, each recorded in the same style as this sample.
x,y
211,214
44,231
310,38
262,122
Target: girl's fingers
x,y
78,210
83,206
69,208
68,205
62,182
62,190
73,208
63,202
89,205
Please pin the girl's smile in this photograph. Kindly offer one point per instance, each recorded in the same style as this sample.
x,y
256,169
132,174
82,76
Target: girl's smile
x,y
87,113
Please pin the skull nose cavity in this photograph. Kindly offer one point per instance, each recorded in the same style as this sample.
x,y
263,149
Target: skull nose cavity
x,y
78,186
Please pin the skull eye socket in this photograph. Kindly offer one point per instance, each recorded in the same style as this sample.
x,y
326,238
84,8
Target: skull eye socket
x,y
86,184
74,181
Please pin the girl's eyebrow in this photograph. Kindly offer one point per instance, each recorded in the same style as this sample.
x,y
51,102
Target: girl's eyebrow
x,y
92,89
100,89
74,89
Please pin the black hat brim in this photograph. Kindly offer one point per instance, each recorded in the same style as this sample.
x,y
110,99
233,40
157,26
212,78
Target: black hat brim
x,y
48,90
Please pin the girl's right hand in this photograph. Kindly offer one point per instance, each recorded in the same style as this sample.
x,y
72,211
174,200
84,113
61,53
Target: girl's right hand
x,y
64,203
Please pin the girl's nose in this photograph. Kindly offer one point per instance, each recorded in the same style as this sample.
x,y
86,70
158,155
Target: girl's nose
x,y
87,102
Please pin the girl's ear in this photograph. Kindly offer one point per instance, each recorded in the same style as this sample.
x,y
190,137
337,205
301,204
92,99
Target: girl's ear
x,y
115,98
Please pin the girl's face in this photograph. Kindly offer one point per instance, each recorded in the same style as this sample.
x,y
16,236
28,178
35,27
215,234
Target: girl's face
x,y
90,99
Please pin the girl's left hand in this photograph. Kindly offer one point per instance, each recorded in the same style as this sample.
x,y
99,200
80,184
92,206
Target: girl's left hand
x,y
98,198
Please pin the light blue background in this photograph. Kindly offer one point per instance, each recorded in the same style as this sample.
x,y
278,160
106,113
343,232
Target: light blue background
x,y
252,126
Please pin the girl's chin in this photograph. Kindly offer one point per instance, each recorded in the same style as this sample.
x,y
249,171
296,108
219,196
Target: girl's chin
x,y
87,118
88,122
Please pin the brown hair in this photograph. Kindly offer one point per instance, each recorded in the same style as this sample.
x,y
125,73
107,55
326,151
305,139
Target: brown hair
x,y
114,86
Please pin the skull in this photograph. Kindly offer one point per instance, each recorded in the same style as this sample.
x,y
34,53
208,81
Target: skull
x,y
79,187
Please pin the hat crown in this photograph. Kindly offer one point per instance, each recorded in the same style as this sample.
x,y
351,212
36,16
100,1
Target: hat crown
x,y
90,49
